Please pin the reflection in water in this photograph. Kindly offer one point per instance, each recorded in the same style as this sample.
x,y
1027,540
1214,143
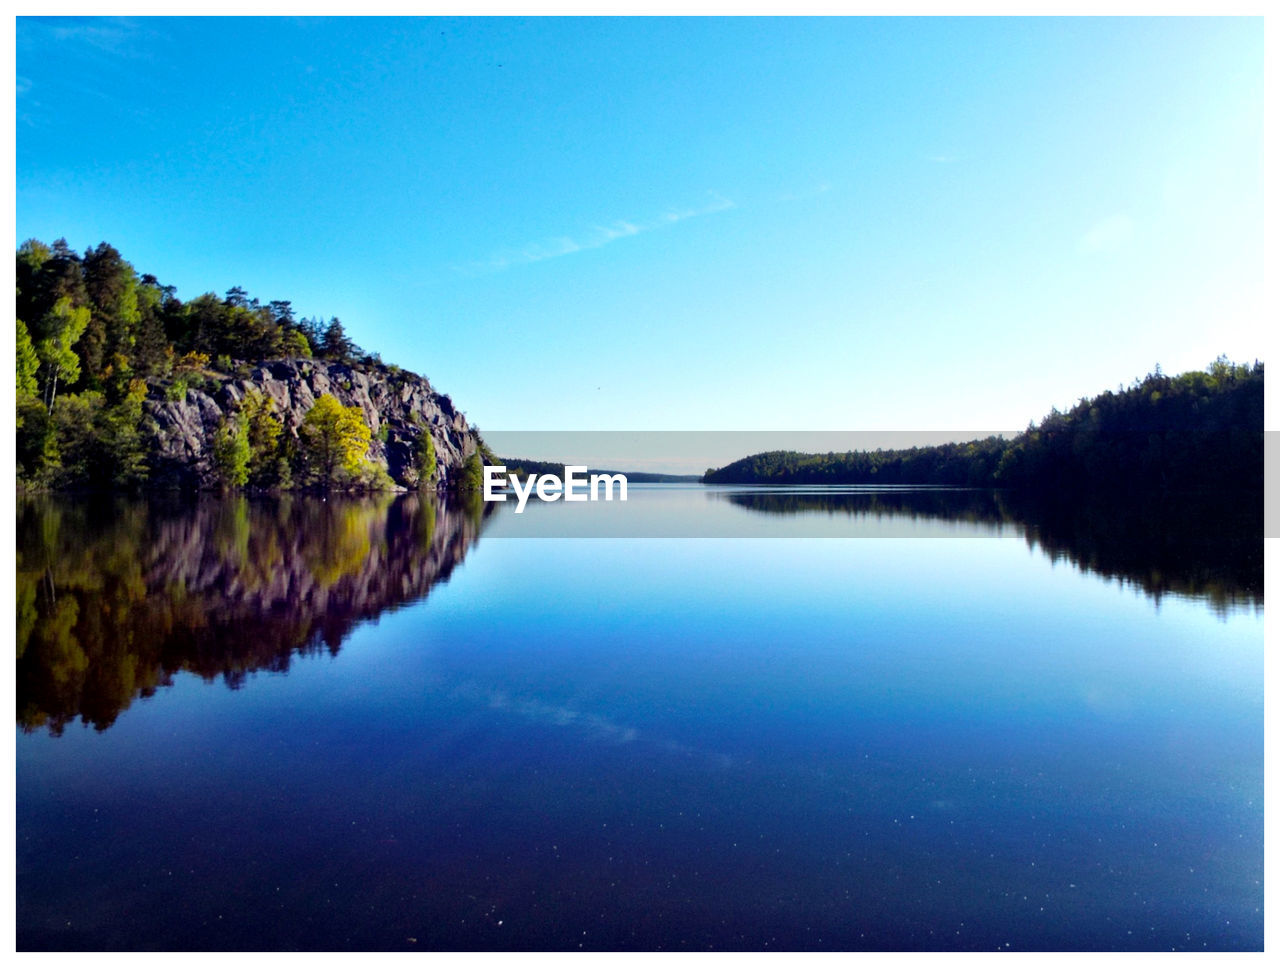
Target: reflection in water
x,y
630,745
115,596
1206,547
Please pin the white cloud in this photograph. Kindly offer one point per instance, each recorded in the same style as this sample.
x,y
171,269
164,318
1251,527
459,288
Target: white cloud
x,y
109,37
100,37
820,189
1111,234
600,235
720,204
618,230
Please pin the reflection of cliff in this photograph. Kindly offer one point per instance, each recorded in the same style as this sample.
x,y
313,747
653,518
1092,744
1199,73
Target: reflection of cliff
x,y
116,596
1202,546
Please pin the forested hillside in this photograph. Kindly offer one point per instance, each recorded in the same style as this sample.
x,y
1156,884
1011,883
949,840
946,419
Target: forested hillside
x,y
1196,430
120,383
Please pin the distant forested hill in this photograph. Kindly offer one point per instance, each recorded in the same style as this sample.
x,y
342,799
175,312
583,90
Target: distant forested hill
x,y
1196,430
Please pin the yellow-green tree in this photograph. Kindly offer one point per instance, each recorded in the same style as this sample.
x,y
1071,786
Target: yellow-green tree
x,y
28,363
59,331
231,451
264,427
334,441
470,476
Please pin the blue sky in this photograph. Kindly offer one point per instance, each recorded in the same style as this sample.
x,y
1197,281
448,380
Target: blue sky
x,y
762,224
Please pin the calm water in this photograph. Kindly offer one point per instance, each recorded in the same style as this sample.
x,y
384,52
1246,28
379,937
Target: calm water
x,y
391,724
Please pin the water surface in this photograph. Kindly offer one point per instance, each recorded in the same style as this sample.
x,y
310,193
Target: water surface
x,y
393,724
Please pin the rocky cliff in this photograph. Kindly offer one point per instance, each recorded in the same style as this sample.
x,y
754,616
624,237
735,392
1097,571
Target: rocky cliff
x,y
395,404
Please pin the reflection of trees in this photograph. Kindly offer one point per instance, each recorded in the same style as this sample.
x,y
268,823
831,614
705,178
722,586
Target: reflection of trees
x,y
115,596
972,506
1198,545
1206,546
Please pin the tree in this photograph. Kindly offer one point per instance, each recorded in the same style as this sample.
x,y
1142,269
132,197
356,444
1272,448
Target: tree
x,y
45,275
106,353
471,474
37,444
294,344
422,466
263,428
282,313
426,457
28,363
313,330
58,332
201,326
96,444
122,459
149,349
334,344
231,451
334,440
33,256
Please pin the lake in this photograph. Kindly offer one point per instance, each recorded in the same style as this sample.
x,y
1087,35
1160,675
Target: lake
x,y
706,719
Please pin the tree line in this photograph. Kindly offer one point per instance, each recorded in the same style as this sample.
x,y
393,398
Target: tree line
x,y
1197,430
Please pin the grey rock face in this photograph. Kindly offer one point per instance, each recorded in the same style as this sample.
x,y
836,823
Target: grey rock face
x,y
394,404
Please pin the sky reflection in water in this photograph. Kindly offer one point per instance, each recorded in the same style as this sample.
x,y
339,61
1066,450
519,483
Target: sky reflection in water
x,y
940,743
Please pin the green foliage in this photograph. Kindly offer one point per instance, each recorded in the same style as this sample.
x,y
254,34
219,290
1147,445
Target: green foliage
x,y
58,331
37,444
32,279
334,344
152,354
231,451
293,343
372,477
28,363
266,466
334,441
470,477
75,452
422,466
45,275
94,328
959,465
98,331
86,441
111,287
120,433
135,326
1201,429
425,464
